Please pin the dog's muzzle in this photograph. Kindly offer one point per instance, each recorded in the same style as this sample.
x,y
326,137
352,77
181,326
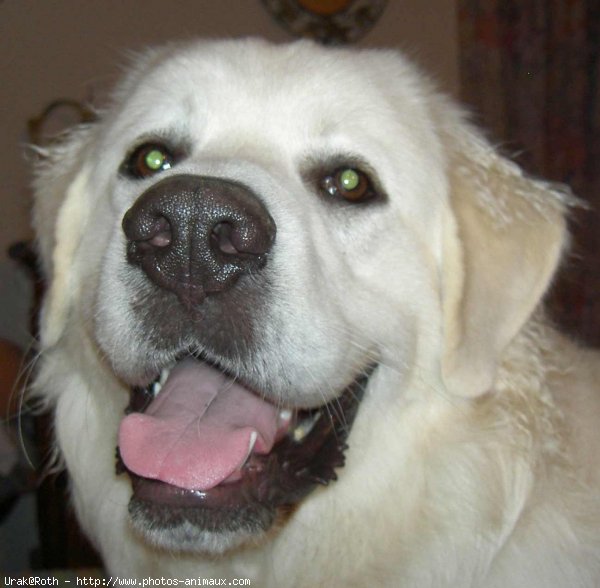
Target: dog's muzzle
x,y
210,452
195,235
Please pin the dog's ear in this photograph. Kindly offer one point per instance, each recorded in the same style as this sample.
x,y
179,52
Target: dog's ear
x,y
60,213
504,237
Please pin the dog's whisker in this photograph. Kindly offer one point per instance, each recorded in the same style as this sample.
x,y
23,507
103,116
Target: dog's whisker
x,y
20,389
401,367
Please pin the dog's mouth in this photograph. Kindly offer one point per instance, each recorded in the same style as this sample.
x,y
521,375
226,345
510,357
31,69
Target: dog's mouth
x,y
206,453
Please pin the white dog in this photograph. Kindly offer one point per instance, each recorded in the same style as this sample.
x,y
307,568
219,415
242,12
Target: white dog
x,y
300,293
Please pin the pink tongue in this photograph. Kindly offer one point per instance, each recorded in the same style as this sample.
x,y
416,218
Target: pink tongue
x,y
198,431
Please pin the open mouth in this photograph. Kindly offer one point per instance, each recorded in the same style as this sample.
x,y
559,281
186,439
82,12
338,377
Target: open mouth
x,y
204,451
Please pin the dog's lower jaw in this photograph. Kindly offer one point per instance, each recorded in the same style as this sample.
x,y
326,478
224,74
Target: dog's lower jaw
x,y
186,537
242,512
208,530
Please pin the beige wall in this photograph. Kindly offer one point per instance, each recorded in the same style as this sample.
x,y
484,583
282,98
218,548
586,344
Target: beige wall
x,y
71,48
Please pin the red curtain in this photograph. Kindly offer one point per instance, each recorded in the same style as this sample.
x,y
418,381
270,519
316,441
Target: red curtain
x,y
530,70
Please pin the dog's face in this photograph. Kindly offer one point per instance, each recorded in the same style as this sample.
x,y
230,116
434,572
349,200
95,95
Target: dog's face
x,y
269,144
250,237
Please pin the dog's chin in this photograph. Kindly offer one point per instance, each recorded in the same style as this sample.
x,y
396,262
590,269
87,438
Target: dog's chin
x,y
174,531
264,490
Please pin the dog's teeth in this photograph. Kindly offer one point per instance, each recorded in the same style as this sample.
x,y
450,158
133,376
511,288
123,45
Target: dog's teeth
x,y
251,443
285,416
253,438
155,388
164,374
305,426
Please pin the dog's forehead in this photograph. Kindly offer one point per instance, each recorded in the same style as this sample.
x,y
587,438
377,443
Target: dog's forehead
x,y
297,88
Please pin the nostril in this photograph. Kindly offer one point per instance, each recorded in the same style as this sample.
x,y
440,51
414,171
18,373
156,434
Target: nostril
x,y
221,238
161,233
146,237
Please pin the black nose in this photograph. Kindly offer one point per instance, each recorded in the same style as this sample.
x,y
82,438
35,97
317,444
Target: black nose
x,y
197,235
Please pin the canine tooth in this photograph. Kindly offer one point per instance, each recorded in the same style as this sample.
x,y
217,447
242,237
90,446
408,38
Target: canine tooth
x,y
164,374
156,387
253,438
305,427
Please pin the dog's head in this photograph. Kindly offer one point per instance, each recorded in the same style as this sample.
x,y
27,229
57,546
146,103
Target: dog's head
x,y
253,237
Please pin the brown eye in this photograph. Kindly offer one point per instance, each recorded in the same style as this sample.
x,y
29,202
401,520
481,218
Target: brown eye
x,y
349,183
147,160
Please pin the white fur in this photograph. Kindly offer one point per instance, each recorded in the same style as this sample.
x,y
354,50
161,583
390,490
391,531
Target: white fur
x,y
470,460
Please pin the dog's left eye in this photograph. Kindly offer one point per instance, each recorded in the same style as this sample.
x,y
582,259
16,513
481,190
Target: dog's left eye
x,y
148,159
348,183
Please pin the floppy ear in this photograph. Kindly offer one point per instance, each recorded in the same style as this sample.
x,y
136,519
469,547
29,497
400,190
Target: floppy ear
x,y
504,237
60,214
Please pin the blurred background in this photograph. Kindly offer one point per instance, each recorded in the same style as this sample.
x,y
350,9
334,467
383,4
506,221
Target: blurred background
x,y
528,71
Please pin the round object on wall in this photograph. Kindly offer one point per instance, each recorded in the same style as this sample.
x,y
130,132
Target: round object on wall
x,y
330,22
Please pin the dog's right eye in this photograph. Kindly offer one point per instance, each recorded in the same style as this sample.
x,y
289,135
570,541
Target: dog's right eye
x,y
349,184
148,159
